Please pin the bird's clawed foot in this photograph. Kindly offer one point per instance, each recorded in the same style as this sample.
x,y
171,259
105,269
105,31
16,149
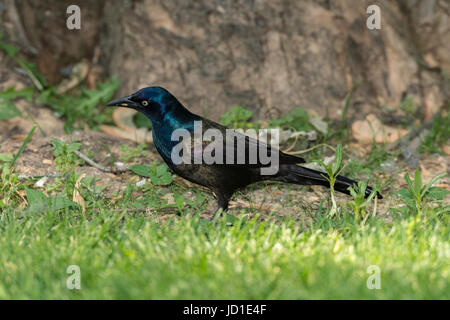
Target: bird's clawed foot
x,y
219,212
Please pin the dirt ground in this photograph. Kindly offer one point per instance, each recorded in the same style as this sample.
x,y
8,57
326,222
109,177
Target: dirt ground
x,y
293,66
37,160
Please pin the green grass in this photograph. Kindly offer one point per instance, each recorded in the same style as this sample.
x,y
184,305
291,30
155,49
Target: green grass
x,y
79,108
132,256
438,135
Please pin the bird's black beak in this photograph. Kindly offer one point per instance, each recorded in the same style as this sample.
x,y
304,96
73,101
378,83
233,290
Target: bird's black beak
x,y
123,102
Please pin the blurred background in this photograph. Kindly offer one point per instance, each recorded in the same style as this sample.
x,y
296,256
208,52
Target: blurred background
x,y
269,57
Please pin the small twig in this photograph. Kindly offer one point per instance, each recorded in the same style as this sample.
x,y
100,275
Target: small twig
x,y
241,205
99,166
24,177
168,210
150,210
311,149
293,144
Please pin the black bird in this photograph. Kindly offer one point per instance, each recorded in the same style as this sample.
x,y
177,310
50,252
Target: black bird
x,y
227,174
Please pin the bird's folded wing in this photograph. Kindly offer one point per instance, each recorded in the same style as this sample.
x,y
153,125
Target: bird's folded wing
x,y
234,148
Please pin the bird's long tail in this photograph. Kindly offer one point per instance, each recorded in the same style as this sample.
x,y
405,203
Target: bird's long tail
x,y
304,176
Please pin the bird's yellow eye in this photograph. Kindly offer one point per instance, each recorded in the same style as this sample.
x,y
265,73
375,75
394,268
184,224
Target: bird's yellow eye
x,y
144,103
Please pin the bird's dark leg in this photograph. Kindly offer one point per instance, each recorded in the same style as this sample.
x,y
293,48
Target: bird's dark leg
x,y
222,200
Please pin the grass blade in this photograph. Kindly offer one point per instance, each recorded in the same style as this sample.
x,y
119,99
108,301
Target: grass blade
x,y
430,184
417,182
24,144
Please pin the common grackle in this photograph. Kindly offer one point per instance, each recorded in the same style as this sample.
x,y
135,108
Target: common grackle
x,y
233,167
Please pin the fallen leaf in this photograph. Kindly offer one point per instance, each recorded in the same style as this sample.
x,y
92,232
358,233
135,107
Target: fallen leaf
x,y
22,195
169,197
78,74
140,183
40,183
319,124
372,128
19,137
139,136
77,198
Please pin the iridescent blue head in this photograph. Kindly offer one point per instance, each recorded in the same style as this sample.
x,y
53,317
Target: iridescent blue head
x,y
154,102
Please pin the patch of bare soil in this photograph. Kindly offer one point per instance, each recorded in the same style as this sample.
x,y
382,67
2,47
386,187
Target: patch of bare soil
x,y
273,199
279,200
